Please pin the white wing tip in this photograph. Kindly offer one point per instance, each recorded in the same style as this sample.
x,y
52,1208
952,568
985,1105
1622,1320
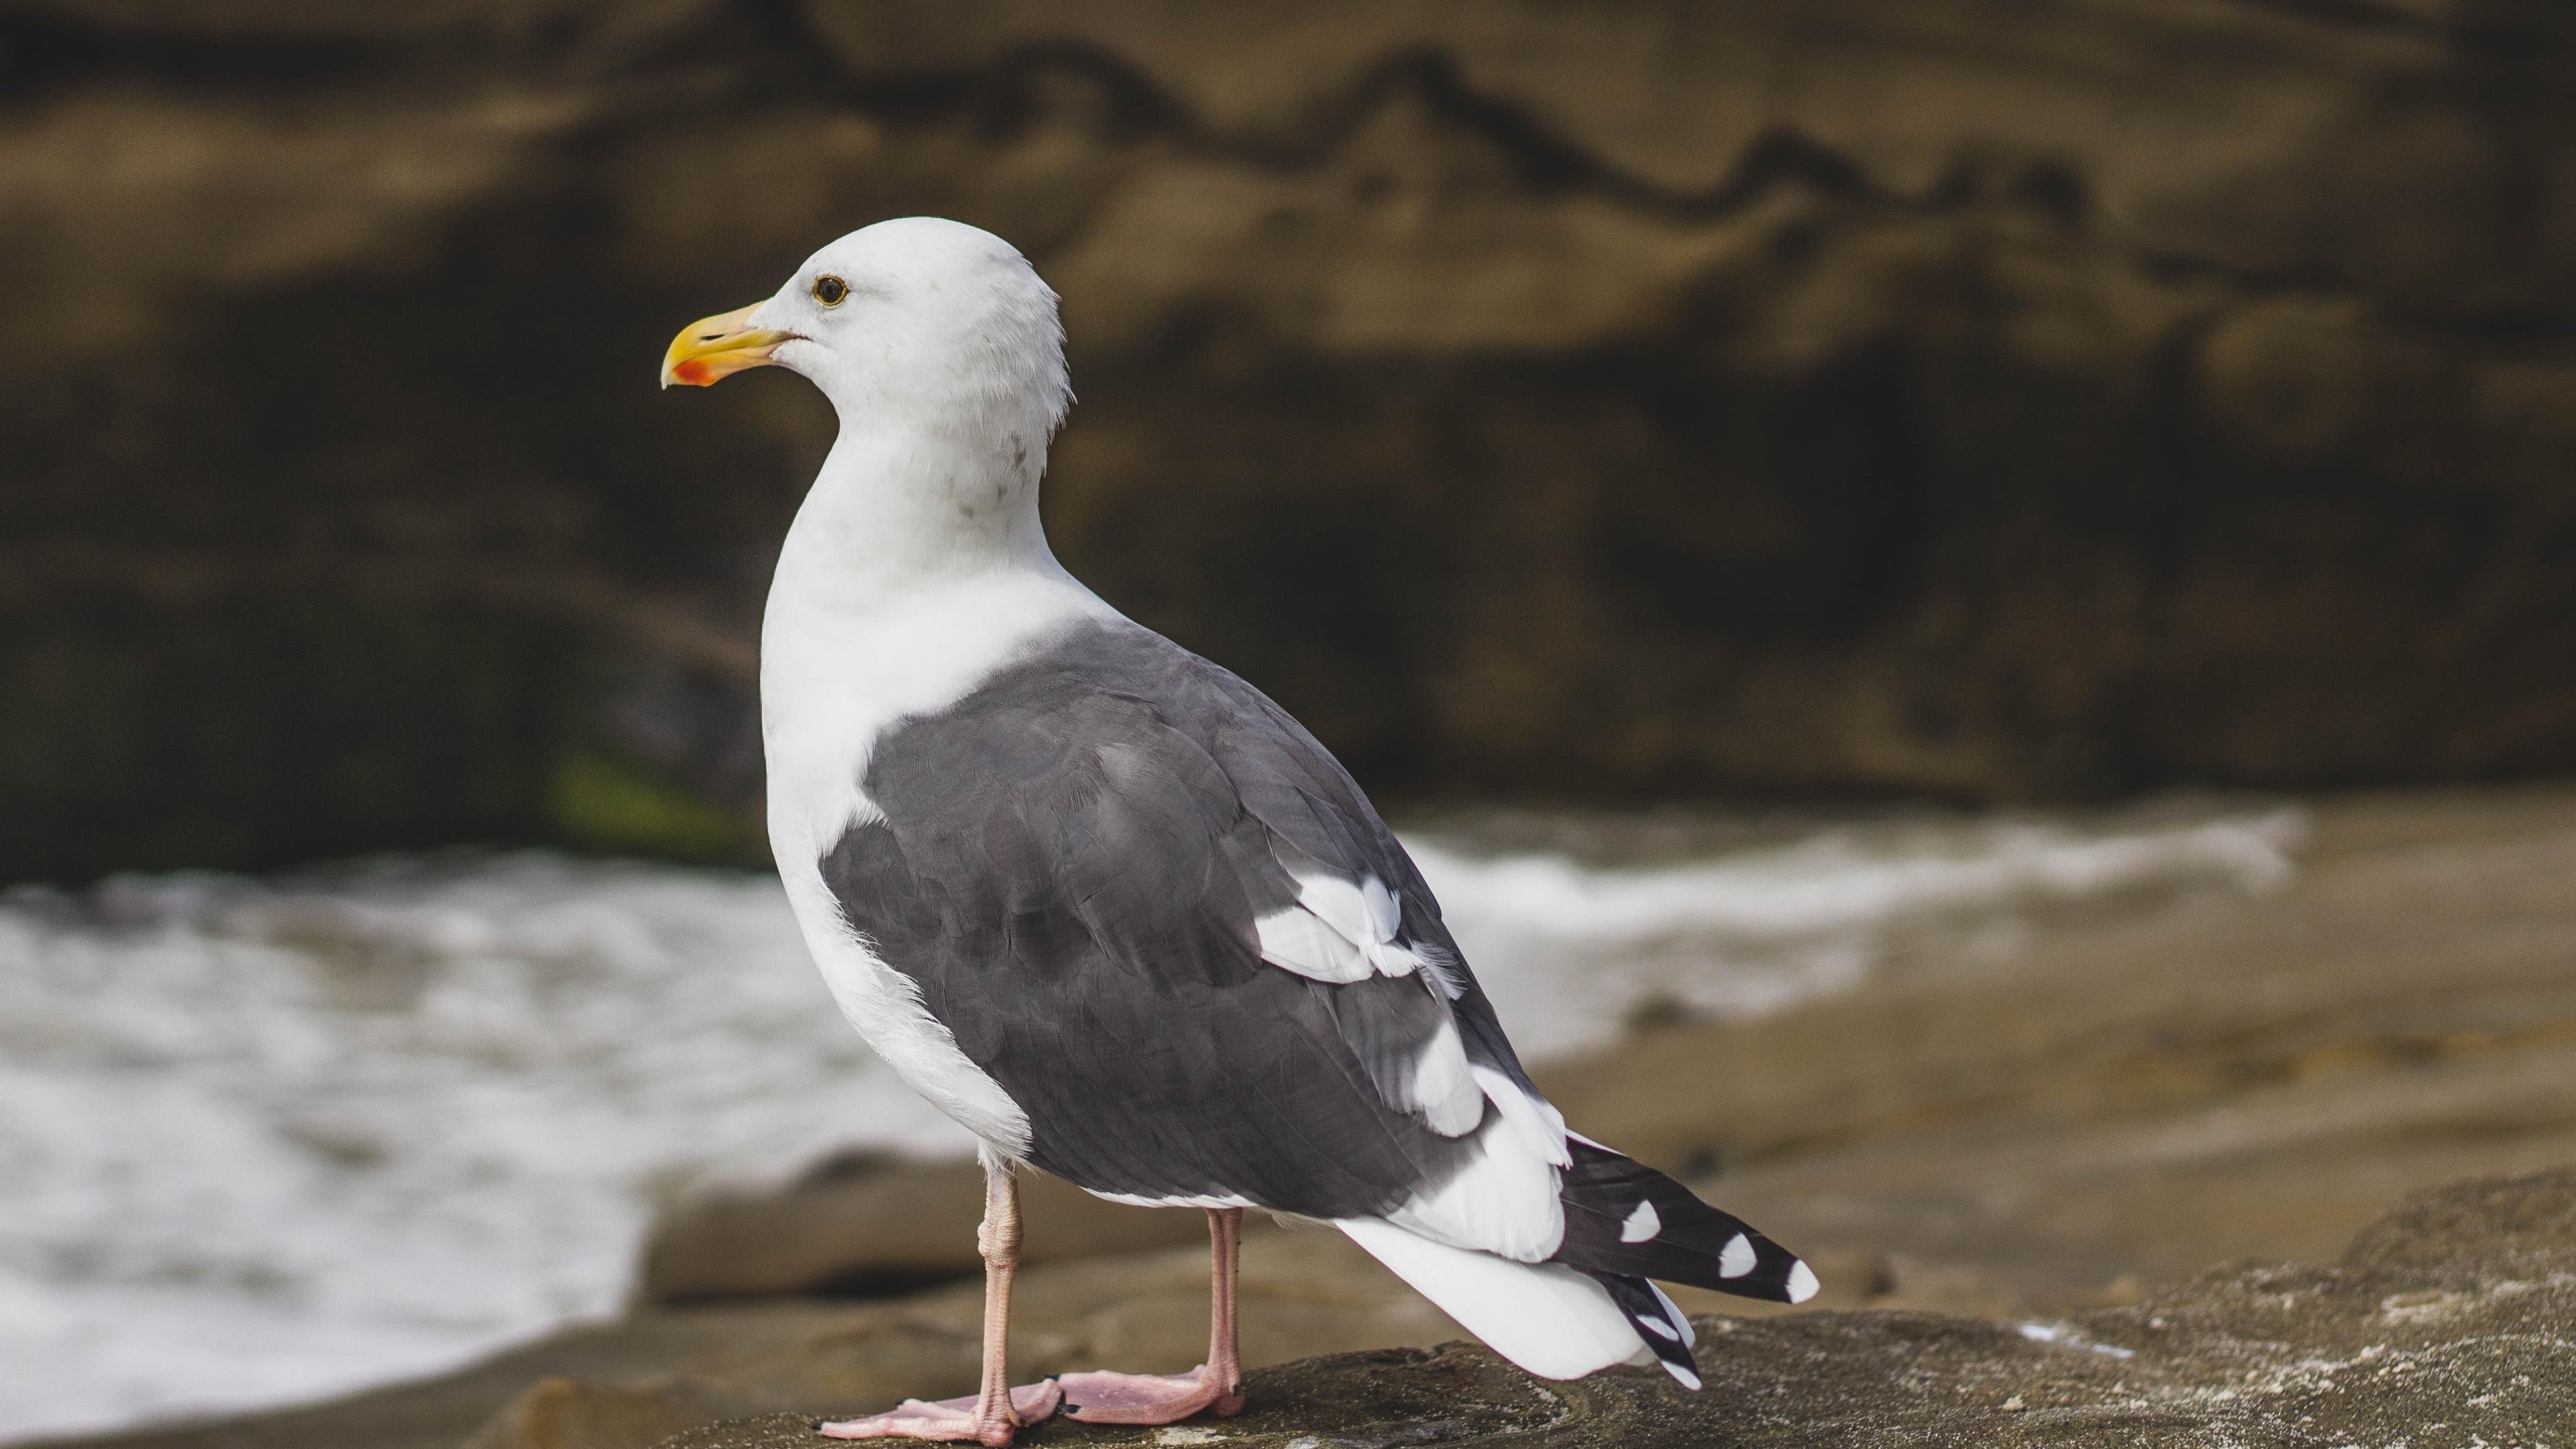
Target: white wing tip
x,y
1738,1259
1802,1283
1642,1224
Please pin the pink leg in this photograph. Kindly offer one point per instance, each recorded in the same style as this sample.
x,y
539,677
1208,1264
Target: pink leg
x,y
1225,1358
1114,1398
997,1411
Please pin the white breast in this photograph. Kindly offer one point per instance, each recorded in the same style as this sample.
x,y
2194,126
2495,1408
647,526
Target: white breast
x,y
832,677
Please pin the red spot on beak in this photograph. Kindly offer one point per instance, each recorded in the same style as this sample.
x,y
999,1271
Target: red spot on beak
x,y
692,372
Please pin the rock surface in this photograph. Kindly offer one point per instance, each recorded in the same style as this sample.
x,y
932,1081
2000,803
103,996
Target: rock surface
x,y
2445,1324
1860,397
2081,1107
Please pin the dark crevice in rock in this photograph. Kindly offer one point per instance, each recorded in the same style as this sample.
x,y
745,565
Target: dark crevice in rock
x,y
1004,98
776,59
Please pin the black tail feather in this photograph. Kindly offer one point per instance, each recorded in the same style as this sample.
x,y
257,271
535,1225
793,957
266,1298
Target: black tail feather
x,y
1658,1321
1624,1219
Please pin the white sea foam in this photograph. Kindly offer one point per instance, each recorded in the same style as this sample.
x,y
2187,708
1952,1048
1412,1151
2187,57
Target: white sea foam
x,y
1569,951
262,1140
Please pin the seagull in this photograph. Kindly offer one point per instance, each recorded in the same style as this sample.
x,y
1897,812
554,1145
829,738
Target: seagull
x,y
1112,909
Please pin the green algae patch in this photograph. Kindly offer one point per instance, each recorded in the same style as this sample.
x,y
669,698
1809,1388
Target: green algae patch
x,y
596,803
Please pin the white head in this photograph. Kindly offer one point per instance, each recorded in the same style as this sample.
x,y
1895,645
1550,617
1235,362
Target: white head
x,y
940,348
919,315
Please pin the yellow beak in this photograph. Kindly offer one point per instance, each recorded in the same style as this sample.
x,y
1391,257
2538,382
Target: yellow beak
x,y
718,347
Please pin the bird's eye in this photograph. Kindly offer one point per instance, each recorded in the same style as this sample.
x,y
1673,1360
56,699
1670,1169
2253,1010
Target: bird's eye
x,y
829,290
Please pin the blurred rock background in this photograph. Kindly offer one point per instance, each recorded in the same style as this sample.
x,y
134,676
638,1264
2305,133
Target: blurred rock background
x,y
1984,400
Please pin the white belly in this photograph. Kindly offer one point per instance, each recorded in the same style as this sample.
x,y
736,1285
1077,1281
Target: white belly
x,y
886,1008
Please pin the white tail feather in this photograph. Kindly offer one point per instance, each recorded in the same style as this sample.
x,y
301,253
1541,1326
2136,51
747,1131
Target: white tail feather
x,y
1549,1319
1690,1335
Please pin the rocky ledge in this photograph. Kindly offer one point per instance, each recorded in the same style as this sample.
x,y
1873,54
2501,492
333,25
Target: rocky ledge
x,y
2446,1323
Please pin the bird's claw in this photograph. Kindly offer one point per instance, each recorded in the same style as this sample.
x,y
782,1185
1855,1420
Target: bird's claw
x,y
1115,1398
954,1421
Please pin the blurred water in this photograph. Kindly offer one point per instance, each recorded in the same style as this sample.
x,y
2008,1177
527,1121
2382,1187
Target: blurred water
x,y
268,1139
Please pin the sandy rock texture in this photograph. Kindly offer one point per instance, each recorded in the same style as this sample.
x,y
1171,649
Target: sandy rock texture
x,y
1858,396
2445,1324
2066,1113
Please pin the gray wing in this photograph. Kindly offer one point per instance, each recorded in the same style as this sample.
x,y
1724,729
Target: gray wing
x,y
1073,865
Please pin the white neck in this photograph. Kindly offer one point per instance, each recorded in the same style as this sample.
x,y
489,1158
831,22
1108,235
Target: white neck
x,y
899,512
915,568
